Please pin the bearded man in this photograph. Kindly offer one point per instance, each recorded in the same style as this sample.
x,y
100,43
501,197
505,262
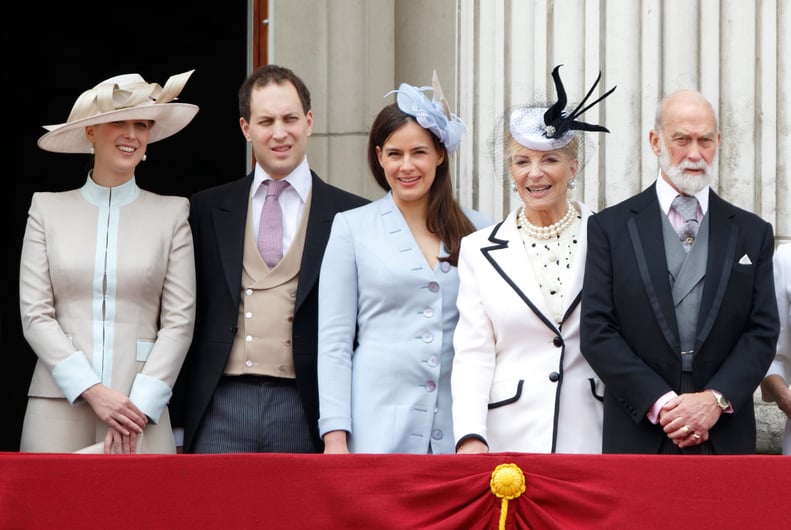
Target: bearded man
x,y
679,317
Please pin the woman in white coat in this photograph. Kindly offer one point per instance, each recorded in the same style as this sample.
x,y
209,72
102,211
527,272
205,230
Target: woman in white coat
x,y
519,381
387,294
774,387
107,280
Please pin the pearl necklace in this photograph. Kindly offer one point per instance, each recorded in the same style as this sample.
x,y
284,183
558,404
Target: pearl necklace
x,y
547,232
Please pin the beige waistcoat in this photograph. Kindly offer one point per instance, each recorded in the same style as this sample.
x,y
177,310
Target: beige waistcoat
x,y
262,345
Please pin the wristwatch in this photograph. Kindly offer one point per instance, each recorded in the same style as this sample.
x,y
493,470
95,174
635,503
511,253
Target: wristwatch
x,y
723,403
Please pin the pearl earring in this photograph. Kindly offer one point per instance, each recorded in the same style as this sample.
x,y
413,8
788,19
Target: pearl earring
x,y
145,157
572,184
514,188
91,149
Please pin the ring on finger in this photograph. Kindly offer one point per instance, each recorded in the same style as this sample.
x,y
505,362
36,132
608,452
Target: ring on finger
x,y
696,436
685,429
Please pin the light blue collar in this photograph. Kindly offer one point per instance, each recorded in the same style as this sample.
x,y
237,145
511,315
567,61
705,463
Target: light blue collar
x,y
113,197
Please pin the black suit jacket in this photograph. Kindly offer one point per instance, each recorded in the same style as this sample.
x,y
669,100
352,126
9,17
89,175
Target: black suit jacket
x,y
629,332
217,217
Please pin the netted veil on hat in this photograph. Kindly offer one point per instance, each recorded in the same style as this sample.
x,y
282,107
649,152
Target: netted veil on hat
x,y
120,98
545,128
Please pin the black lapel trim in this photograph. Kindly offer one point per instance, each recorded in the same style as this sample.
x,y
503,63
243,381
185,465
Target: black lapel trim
x,y
501,244
725,261
664,324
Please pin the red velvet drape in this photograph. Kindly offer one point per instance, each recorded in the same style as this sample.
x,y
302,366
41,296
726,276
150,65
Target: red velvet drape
x,y
285,491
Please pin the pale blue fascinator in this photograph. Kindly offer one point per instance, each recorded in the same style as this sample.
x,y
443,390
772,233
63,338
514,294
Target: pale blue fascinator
x,y
432,114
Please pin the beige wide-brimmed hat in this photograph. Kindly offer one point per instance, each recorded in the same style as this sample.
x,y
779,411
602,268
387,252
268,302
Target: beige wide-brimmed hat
x,y
120,98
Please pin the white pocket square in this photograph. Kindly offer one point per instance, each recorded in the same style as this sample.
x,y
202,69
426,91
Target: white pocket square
x,y
745,260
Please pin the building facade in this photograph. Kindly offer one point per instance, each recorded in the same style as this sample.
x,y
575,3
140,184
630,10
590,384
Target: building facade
x,y
490,54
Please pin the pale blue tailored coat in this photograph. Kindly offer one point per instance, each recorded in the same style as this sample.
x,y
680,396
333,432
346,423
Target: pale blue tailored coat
x,y
391,391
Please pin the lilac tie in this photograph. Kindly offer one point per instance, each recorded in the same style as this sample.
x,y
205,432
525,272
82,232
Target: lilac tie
x,y
270,228
687,207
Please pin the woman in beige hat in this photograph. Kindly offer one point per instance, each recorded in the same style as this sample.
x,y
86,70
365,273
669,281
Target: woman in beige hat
x,y
107,280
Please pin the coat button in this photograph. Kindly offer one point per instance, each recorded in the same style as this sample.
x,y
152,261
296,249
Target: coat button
x,y
557,341
433,287
433,361
554,376
430,386
444,266
436,434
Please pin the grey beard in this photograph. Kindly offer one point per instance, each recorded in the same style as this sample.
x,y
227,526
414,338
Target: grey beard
x,y
685,182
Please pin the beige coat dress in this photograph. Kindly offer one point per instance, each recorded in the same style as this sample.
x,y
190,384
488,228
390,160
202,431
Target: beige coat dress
x,y
107,285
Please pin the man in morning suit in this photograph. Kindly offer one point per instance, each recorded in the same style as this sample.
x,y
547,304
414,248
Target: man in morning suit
x,y
679,317
249,381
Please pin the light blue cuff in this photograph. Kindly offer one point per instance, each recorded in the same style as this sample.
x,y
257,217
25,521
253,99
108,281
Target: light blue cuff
x,y
778,368
337,423
74,376
150,395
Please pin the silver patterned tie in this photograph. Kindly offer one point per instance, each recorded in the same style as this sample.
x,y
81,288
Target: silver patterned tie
x,y
687,207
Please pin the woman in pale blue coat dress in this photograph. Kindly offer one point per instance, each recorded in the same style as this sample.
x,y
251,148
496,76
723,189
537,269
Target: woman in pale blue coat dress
x,y
387,293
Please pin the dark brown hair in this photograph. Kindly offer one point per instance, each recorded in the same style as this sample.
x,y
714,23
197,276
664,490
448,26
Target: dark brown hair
x,y
445,217
265,75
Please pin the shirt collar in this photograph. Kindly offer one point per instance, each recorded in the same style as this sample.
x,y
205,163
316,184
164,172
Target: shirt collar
x,y
300,179
665,193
